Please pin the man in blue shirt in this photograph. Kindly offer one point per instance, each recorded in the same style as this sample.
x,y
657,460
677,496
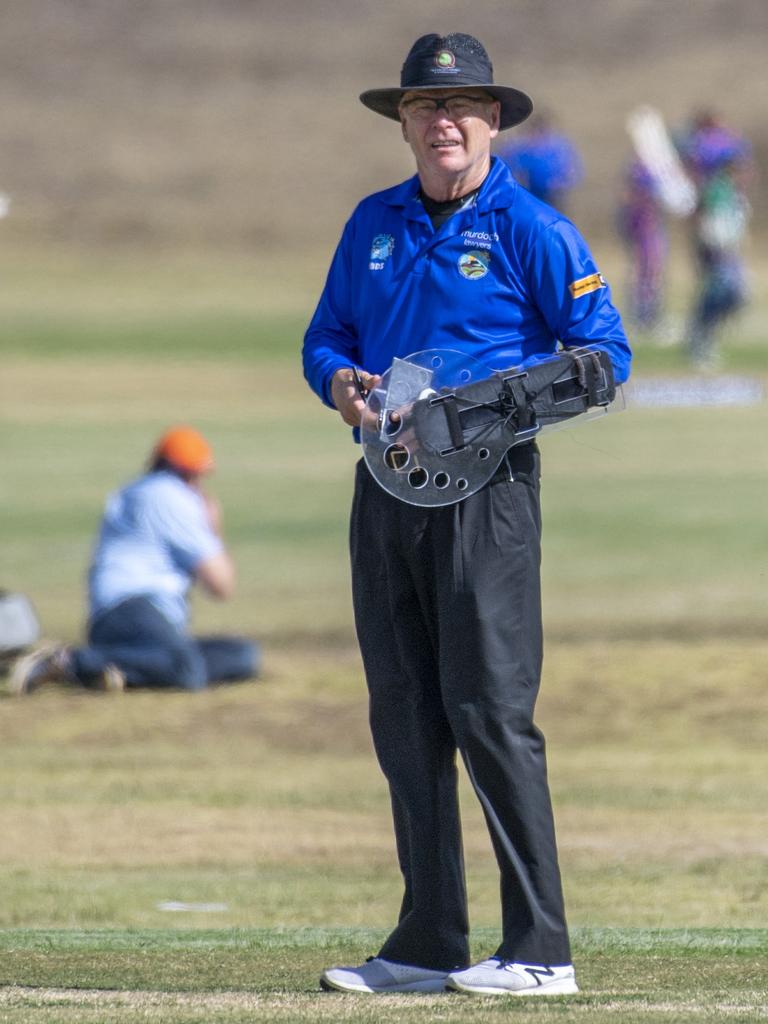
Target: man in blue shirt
x,y
159,535
544,161
447,600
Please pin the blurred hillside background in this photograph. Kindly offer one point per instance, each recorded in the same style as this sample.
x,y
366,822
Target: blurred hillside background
x,y
235,123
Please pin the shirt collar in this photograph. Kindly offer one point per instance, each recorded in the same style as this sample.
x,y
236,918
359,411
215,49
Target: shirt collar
x,y
497,192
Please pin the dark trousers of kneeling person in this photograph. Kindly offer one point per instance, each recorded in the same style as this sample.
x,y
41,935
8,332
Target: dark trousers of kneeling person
x,y
448,615
152,651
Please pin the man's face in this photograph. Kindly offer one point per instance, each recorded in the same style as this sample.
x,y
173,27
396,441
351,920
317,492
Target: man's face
x,y
450,142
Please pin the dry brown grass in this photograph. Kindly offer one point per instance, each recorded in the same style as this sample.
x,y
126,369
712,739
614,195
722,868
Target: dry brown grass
x,y
256,793
238,122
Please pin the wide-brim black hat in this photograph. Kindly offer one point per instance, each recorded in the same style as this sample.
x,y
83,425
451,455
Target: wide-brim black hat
x,y
449,62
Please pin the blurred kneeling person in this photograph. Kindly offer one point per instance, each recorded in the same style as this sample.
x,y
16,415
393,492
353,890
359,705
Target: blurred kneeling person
x,y
159,535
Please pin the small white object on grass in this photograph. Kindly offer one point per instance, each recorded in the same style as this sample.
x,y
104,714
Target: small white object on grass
x,y
177,906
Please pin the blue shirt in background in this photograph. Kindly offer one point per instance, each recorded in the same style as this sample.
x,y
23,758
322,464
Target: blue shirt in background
x,y
154,534
545,163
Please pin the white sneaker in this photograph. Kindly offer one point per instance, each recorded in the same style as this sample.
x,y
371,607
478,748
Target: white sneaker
x,y
499,977
377,975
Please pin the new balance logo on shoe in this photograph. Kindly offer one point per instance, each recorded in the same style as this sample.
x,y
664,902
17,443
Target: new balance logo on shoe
x,y
537,972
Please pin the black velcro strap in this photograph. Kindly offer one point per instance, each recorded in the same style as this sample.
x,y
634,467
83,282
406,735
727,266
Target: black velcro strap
x,y
587,373
455,430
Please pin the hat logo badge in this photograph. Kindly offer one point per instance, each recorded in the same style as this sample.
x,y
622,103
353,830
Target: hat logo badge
x,y
445,59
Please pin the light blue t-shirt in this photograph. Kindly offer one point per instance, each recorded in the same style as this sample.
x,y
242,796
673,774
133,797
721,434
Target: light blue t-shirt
x,y
154,534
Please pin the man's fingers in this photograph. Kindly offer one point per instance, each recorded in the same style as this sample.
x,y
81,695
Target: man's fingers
x,y
349,390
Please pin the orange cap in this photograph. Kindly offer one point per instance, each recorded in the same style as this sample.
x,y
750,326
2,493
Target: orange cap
x,y
185,449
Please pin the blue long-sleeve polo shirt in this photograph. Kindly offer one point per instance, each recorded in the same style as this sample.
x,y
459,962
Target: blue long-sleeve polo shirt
x,y
504,280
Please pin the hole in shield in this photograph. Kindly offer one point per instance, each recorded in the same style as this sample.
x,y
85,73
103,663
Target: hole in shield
x,y
418,478
396,456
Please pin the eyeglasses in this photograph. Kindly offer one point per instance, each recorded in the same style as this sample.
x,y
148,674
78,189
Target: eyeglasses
x,y
457,107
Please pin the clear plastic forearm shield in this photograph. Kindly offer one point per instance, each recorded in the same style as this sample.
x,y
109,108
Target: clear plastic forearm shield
x,y
437,427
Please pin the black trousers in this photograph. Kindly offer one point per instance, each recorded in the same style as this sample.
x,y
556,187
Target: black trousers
x,y
448,614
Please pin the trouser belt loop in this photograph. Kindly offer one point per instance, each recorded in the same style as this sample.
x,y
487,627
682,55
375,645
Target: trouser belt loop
x,y
510,474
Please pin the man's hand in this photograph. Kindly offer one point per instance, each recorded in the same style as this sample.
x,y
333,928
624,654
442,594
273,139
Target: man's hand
x,y
217,573
346,394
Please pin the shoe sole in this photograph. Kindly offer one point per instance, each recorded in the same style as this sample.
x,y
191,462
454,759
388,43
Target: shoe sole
x,y
566,987
413,986
19,683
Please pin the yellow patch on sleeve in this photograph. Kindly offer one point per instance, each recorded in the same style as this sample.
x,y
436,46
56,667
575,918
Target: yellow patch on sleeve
x,y
585,285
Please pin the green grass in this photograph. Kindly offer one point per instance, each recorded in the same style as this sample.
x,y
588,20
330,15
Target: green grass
x,y
629,975
266,797
653,517
216,335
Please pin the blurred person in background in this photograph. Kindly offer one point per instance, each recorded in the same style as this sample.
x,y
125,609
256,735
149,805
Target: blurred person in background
x,y
447,600
708,144
641,225
159,535
720,162
544,161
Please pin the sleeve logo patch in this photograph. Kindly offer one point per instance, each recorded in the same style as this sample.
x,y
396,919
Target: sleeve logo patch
x,y
585,285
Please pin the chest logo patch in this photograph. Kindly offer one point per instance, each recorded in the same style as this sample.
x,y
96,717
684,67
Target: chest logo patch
x,y
382,248
474,264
